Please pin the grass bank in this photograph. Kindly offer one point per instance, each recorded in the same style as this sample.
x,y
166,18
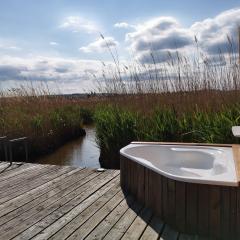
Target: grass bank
x,y
47,121
116,127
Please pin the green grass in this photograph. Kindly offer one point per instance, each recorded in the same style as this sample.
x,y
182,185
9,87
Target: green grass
x,y
114,128
117,127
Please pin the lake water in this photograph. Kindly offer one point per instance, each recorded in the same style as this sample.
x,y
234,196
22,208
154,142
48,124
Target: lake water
x,y
82,152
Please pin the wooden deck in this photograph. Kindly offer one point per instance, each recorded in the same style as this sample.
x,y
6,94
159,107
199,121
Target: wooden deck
x,y
56,202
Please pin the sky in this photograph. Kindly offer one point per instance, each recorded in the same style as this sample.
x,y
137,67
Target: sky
x,y
59,42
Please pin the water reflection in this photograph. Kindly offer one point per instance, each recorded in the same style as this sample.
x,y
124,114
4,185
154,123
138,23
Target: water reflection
x,y
82,152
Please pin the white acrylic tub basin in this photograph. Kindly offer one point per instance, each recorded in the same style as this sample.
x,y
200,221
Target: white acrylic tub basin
x,y
195,164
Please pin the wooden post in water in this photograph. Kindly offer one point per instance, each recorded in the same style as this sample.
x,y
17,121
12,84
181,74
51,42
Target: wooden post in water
x,y
25,145
3,144
10,152
26,149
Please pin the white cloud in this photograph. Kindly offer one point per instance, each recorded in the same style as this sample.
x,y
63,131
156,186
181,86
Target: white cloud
x,y
70,75
158,35
166,34
79,24
123,25
212,32
99,45
53,43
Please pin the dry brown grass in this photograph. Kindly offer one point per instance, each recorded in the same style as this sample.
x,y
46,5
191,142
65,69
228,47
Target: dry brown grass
x,y
47,120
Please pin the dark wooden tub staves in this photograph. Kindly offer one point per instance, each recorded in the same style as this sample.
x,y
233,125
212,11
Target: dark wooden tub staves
x,y
201,209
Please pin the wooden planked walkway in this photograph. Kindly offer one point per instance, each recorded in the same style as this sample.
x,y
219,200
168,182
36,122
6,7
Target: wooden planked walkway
x,y
56,202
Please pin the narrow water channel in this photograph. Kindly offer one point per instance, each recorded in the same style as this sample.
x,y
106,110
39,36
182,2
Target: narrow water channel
x,y
82,152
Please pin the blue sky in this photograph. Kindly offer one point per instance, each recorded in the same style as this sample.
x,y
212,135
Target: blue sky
x,y
57,41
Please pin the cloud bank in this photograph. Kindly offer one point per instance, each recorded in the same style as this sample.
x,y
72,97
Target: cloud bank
x,y
74,75
159,35
212,32
166,34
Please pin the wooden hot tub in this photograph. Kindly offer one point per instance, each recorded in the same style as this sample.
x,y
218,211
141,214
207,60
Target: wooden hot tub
x,y
192,187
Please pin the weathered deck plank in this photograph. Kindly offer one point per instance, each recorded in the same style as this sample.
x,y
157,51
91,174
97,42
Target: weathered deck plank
x,y
104,227
37,192
28,218
124,223
29,185
10,167
60,202
100,215
40,199
80,219
16,172
139,225
62,211
86,205
9,185
153,230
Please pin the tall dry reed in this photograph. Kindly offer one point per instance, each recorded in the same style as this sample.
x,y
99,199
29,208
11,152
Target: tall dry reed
x,y
185,99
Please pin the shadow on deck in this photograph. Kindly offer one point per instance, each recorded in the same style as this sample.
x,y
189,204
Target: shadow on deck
x,y
56,202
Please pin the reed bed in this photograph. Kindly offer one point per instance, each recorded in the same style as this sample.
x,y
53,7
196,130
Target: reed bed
x,y
186,99
47,120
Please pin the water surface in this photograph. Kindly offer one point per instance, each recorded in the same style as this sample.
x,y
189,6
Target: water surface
x,y
82,152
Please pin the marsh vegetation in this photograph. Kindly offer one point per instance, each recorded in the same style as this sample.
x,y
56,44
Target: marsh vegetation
x,y
184,99
48,121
